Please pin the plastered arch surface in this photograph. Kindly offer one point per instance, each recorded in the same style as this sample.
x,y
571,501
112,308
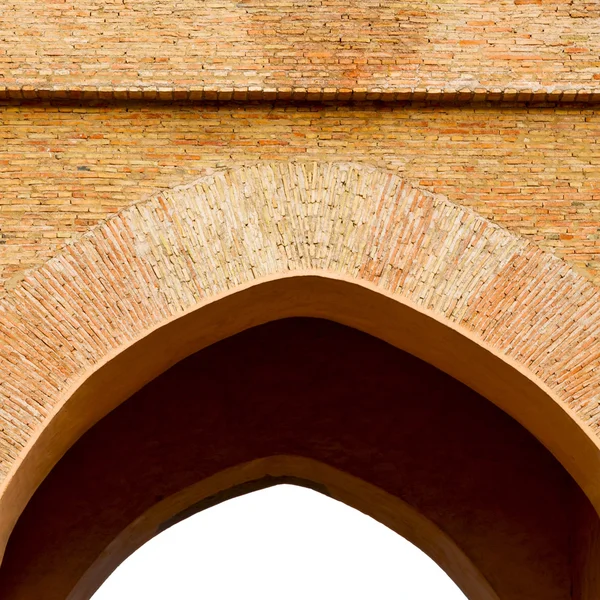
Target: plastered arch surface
x,y
348,242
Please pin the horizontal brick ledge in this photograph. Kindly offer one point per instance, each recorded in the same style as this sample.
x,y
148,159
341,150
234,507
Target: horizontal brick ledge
x,y
320,95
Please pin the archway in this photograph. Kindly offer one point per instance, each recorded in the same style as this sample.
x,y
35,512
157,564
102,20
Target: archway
x,y
349,243
282,540
322,405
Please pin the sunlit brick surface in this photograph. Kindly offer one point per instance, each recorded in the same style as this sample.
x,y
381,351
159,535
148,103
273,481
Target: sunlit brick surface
x,y
161,44
163,256
66,168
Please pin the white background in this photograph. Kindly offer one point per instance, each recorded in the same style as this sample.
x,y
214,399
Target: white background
x,y
282,543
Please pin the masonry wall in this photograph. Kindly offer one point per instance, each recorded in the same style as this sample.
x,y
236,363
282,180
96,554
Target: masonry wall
x,y
66,167
388,44
492,103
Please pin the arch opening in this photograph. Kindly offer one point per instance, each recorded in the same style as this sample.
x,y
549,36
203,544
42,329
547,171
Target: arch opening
x,y
285,538
306,398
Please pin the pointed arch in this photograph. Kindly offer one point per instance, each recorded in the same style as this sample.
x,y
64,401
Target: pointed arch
x,y
239,247
258,474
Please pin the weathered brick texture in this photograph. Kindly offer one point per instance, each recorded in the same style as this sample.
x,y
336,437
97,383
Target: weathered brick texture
x,y
169,254
64,168
519,44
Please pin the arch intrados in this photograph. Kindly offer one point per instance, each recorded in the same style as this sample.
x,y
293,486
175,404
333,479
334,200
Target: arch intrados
x,y
311,294
258,474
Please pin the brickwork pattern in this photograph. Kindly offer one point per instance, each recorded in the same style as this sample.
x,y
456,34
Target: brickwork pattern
x,y
65,168
169,253
275,44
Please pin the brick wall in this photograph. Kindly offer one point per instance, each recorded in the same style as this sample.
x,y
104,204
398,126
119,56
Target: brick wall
x,y
533,168
520,44
105,102
64,168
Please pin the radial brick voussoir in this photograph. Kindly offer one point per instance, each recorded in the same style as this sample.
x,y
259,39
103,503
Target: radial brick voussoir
x,y
161,257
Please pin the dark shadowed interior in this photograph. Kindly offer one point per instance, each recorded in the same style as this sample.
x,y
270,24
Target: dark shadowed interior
x,y
315,389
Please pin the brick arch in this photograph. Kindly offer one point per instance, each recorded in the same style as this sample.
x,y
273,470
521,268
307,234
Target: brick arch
x,y
342,241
